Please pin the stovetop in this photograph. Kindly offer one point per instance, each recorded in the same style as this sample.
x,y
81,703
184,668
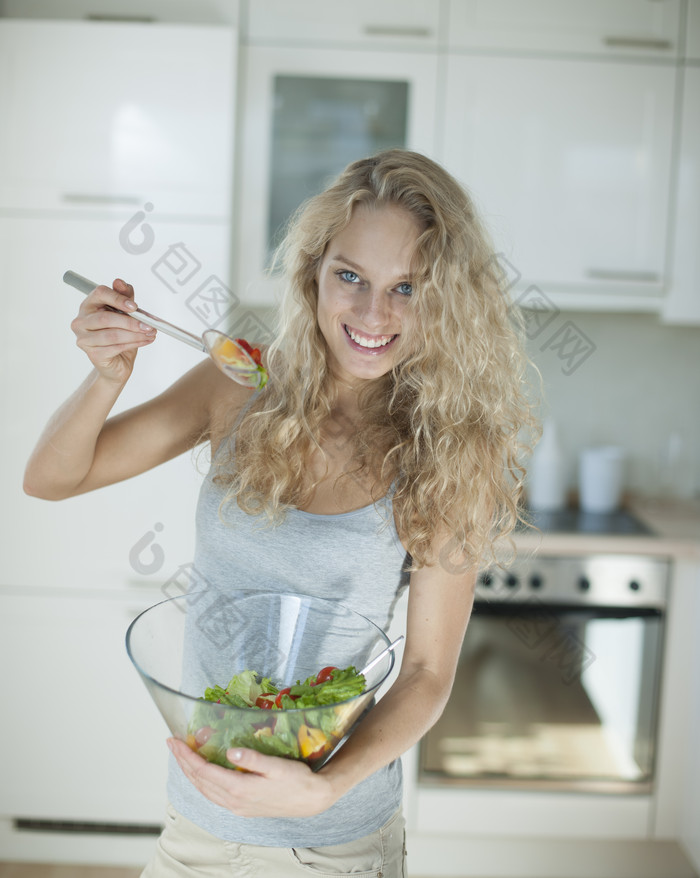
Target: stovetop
x,y
575,521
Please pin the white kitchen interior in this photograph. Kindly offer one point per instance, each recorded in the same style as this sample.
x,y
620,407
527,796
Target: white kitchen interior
x,y
164,141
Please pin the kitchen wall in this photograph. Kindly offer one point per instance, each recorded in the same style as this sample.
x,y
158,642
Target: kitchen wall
x,y
638,389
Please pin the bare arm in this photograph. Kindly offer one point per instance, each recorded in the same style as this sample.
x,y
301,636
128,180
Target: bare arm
x,y
81,449
439,608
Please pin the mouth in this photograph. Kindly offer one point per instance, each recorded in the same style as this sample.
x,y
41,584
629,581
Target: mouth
x,y
369,344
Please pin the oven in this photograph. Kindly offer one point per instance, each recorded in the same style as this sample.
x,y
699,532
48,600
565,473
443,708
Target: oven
x,y
558,680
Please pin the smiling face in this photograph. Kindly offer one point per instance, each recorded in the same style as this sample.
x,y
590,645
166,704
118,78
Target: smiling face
x,y
364,286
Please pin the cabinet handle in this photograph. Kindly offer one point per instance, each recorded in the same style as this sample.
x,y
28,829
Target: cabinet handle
x,y
637,43
88,198
121,19
392,30
648,277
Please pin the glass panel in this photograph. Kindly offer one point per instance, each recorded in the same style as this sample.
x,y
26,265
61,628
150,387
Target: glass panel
x,y
576,704
319,126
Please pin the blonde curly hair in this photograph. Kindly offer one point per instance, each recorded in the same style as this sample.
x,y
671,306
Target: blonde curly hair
x,y
445,426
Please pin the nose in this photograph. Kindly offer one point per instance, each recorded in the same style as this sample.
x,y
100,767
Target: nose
x,y
375,309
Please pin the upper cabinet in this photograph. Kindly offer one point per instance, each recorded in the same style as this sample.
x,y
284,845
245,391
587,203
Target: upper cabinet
x,y
306,115
570,161
405,24
108,115
602,27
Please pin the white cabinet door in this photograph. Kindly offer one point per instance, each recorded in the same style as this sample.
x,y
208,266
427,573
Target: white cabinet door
x,y
92,540
80,738
346,111
605,27
570,161
406,24
108,114
682,304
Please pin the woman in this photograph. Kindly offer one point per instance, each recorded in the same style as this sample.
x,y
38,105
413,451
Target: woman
x,y
382,453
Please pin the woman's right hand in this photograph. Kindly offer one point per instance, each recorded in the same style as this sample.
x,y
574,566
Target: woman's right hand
x,y
109,339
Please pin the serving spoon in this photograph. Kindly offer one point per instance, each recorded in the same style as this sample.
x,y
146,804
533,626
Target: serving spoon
x,y
228,355
380,656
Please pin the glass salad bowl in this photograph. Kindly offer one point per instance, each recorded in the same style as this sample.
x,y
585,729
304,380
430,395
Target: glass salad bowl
x,y
250,648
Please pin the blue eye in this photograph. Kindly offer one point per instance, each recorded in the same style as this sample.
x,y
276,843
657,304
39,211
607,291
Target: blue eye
x,y
348,276
405,289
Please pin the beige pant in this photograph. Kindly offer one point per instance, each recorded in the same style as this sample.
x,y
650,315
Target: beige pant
x,y
185,851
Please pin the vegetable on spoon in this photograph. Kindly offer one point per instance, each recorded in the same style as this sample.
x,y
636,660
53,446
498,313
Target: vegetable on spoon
x,y
234,357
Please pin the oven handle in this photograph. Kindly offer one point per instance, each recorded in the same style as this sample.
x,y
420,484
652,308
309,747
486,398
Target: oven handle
x,y
534,607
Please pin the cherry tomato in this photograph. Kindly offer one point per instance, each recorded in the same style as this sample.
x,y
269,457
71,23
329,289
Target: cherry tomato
x,y
325,674
253,352
244,344
287,691
263,702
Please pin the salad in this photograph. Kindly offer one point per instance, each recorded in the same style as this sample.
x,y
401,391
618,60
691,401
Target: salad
x,y
303,721
228,354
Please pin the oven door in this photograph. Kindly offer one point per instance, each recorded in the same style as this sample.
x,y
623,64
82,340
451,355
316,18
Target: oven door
x,y
551,696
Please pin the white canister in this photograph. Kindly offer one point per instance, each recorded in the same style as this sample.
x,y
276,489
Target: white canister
x,y
546,476
601,473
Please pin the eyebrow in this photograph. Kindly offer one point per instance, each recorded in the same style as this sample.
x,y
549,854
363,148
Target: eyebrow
x,y
346,261
355,266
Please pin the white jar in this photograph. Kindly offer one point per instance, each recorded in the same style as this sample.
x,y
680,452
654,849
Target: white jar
x,y
601,474
546,475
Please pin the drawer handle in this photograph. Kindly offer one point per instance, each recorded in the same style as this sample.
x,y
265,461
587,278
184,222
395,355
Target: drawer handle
x,y
647,277
638,43
392,30
88,198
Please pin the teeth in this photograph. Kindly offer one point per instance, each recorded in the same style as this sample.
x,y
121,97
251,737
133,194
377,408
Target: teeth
x,y
369,342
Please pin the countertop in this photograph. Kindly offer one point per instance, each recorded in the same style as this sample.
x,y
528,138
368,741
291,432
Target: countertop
x,y
675,525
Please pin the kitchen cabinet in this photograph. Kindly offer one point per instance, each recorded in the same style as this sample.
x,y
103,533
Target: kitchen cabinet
x,y
305,115
682,303
214,12
179,263
574,188
408,24
108,114
574,27
76,572
81,739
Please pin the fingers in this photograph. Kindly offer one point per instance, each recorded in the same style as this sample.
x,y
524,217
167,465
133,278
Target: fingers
x,y
106,332
264,786
99,325
121,296
216,783
125,292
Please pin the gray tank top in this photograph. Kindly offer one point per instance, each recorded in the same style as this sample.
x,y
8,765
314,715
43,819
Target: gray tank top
x,y
354,558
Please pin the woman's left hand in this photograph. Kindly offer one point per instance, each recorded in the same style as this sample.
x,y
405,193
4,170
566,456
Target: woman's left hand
x,y
268,786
